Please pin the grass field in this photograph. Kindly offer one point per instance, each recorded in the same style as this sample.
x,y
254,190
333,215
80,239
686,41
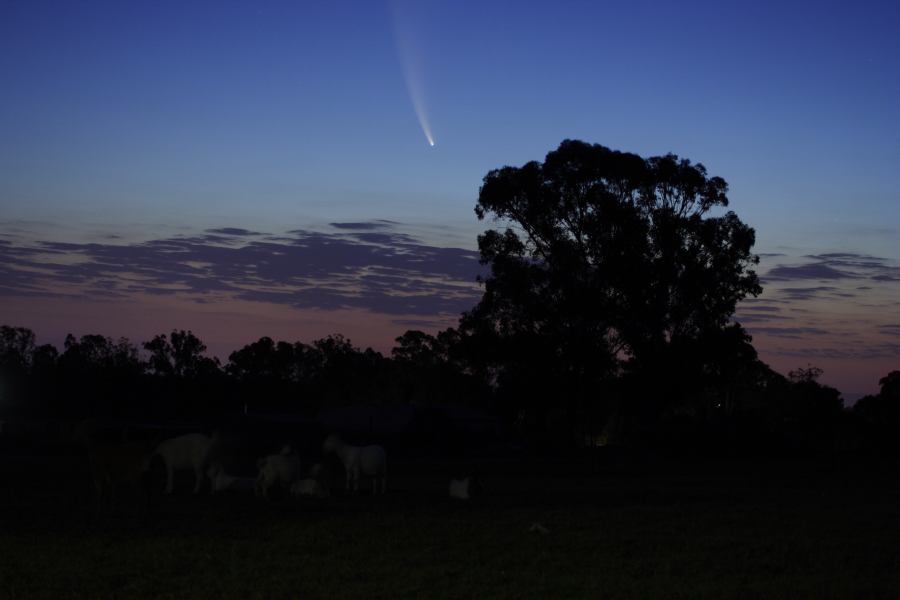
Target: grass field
x,y
653,529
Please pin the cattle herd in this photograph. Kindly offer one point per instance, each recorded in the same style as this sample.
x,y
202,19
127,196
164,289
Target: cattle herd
x,y
117,464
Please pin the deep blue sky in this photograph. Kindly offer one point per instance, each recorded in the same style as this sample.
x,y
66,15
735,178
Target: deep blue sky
x,y
143,119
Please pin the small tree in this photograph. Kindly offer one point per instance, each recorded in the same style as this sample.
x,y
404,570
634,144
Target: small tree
x,y
16,348
96,354
810,401
810,374
432,369
98,375
16,352
266,360
890,386
181,355
883,409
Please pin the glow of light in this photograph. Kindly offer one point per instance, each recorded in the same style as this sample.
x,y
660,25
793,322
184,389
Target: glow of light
x,y
412,70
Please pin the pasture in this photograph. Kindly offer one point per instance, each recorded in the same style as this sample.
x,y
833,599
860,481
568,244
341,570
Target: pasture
x,y
648,527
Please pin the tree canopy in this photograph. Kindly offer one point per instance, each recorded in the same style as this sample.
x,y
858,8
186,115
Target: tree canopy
x,y
608,262
180,355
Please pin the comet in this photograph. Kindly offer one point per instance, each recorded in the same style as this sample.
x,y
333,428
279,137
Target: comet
x,y
412,68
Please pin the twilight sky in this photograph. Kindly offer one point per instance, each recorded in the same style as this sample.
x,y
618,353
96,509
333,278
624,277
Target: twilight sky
x,y
260,168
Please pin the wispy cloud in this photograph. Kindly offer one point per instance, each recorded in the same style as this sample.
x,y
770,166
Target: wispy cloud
x,y
847,352
366,225
835,266
891,329
233,231
792,332
805,293
387,271
811,271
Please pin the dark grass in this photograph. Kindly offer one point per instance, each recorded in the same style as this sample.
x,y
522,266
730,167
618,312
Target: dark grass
x,y
654,528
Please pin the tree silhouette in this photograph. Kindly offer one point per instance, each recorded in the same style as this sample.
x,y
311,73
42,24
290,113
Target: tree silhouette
x,y
419,349
810,401
16,356
181,355
810,374
97,354
890,386
608,262
184,382
275,375
267,360
882,410
16,348
348,374
433,369
99,376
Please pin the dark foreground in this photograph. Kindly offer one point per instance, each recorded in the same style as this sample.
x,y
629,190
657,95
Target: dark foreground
x,y
624,528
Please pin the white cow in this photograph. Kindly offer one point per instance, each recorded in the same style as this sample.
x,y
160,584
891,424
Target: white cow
x,y
316,471
190,451
220,481
310,488
277,471
370,461
465,488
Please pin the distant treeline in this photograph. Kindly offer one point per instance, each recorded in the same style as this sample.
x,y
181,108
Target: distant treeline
x,y
170,377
